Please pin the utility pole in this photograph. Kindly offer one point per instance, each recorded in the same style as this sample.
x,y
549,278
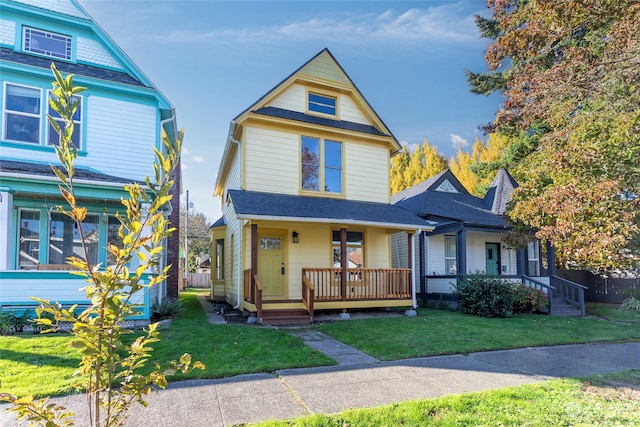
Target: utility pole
x,y
186,237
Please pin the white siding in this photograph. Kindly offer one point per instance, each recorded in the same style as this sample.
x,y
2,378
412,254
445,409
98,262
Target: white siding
x,y
7,32
399,252
367,172
476,258
293,99
92,51
350,112
435,255
120,137
440,286
232,256
272,161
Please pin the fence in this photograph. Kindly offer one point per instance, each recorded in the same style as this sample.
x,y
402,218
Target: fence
x,y
603,289
198,280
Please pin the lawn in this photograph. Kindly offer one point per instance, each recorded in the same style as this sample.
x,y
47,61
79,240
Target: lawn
x,y
226,350
436,332
607,400
613,312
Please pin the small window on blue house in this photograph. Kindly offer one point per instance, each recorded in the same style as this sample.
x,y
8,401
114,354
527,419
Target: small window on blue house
x,y
47,43
322,104
22,113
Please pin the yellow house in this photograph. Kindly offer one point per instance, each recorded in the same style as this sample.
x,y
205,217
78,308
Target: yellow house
x,y
305,195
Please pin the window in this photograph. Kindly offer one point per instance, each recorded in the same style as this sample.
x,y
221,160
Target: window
x,y
450,254
533,258
46,43
53,137
24,117
321,162
219,259
22,113
113,237
355,249
322,104
29,240
65,239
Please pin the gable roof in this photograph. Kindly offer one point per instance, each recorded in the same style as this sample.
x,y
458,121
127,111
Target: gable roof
x,y
324,66
425,201
499,193
269,206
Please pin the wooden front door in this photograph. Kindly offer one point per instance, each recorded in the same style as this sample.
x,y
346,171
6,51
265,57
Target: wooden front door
x,y
492,256
271,264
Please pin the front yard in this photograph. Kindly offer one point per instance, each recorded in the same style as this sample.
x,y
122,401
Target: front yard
x,y
229,350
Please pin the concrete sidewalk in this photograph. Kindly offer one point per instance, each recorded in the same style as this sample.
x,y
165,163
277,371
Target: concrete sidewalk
x,y
293,393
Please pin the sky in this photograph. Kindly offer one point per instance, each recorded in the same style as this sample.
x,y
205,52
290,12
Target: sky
x,y
213,59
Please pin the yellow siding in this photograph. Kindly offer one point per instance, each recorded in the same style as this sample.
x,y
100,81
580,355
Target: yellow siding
x,y
350,112
377,248
293,99
271,161
367,172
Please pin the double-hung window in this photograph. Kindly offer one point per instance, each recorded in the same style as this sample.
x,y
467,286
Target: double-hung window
x,y
450,254
321,163
533,258
46,43
25,120
219,259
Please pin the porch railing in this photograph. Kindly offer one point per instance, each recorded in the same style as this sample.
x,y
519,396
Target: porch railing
x,y
360,283
258,296
308,295
541,286
571,292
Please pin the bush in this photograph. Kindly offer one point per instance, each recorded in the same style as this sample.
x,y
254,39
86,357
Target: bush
x,y
485,296
528,300
631,303
168,308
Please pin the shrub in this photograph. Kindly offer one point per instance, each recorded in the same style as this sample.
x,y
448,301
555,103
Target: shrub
x,y
168,308
631,303
485,296
528,300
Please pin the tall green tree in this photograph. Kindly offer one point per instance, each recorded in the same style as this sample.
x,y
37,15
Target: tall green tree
x,y
569,73
409,169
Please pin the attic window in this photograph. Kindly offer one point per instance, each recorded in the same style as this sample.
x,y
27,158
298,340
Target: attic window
x,y
446,187
46,43
322,104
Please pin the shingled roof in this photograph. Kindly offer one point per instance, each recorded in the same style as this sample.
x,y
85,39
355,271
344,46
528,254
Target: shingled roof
x,y
499,193
41,169
251,204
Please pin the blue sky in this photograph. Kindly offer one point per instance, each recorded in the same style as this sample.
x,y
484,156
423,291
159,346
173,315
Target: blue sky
x,y
213,59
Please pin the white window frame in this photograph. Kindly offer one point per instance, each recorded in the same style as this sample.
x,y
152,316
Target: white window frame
x,y
26,114
77,123
448,259
533,258
27,43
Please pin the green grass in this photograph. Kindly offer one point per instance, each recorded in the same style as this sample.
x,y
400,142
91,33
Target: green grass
x,y
600,400
613,312
435,332
226,350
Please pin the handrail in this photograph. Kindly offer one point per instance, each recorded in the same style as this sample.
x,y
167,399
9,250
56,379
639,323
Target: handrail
x,y
571,292
308,295
258,297
550,289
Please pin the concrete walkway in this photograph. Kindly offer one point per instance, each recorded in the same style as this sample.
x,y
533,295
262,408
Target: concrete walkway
x,y
359,381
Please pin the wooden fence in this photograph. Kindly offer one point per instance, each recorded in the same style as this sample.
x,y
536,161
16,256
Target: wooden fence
x,y
603,289
198,280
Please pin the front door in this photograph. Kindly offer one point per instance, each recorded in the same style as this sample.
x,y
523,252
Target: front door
x,y
492,256
271,264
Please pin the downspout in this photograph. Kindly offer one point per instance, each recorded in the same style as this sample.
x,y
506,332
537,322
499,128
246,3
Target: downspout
x,y
240,242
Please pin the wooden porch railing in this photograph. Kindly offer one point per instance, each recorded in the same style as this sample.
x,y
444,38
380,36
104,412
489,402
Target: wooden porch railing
x,y
360,284
571,292
308,295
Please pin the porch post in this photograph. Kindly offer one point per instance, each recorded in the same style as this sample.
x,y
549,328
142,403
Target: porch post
x,y
254,258
461,247
6,212
410,250
422,248
344,264
521,262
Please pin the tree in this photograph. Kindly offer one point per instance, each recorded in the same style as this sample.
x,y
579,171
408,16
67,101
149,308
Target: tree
x,y
399,164
198,229
409,169
569,73
111,363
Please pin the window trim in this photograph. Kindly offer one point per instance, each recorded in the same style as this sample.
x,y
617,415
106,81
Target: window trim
x,y
6,111
219,259
27,33
453,258
77,123
322,165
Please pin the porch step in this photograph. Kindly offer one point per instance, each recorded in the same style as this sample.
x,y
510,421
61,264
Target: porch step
x,y
562,308
282,317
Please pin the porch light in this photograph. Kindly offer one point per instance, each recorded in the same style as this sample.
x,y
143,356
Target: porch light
x,y
294,235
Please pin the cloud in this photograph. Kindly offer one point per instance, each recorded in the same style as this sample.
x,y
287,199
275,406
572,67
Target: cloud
x,y
458,142
198,159
410,147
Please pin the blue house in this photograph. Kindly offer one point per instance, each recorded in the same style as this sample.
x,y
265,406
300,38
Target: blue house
x,y
119,122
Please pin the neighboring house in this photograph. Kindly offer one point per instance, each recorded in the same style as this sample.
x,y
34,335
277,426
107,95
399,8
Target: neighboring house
x,y
117,125
304,189
468,236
